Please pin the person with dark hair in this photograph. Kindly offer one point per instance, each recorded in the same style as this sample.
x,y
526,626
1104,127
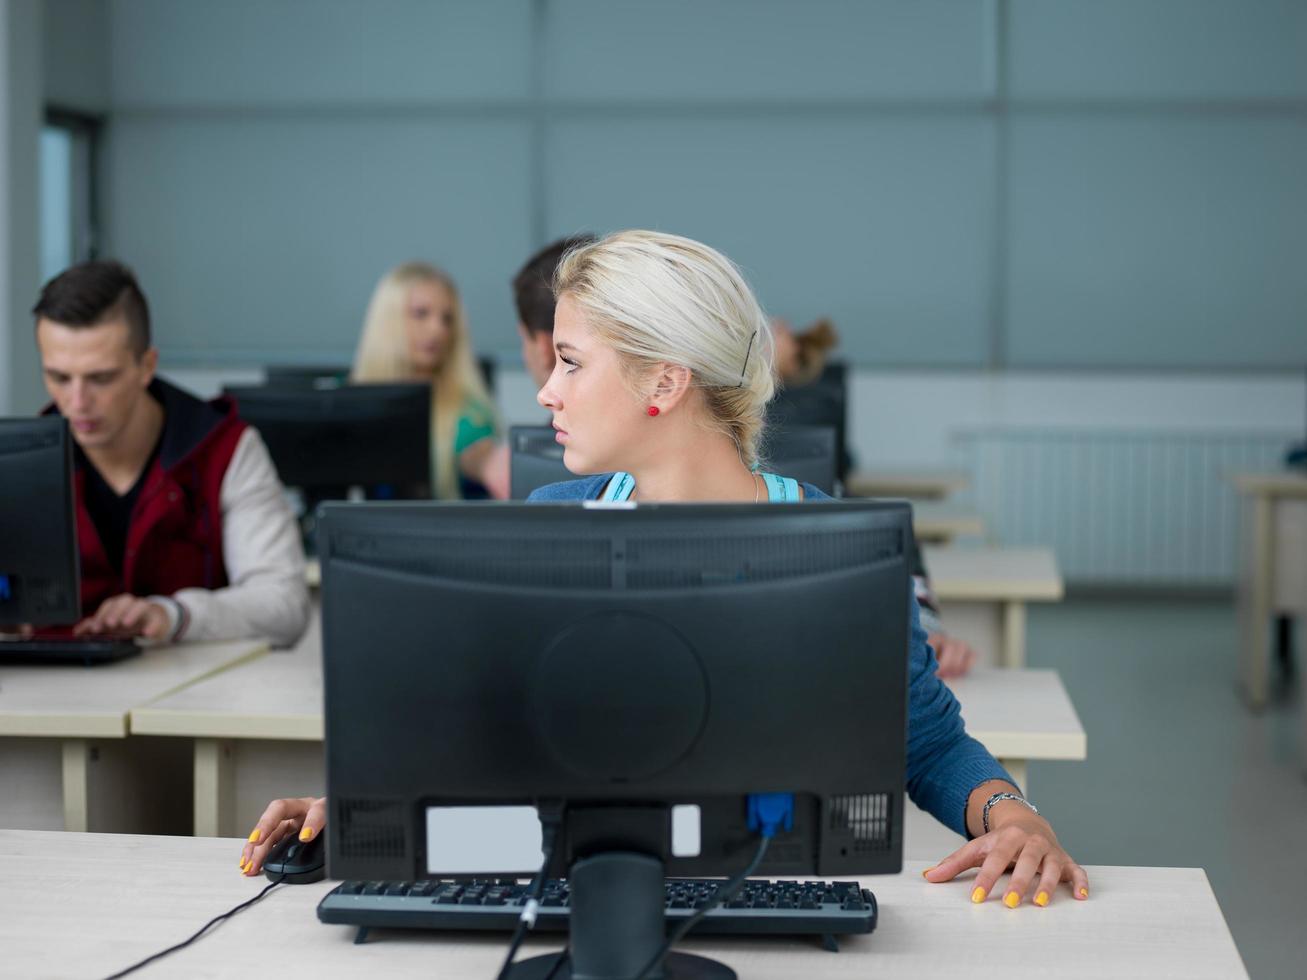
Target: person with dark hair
x,y
533,294
182,526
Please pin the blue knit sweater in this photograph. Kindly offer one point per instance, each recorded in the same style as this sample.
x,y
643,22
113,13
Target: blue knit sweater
x,y
944,763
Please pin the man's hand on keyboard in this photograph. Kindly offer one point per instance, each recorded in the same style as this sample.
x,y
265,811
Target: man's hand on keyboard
x,y
304,816
127,615
23,630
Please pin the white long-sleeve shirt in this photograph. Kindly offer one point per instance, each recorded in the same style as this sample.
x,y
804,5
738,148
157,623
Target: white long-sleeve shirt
x,y
267,596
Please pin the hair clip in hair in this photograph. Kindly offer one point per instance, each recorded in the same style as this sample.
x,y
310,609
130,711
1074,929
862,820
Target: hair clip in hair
x,y
745,366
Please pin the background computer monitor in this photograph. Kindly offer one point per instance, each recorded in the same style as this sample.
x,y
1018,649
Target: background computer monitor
x,y
336,375
806,452
306,375
39,575
328,439
823,401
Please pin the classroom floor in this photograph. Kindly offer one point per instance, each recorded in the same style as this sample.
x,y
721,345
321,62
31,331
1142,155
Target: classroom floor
x,y
1179,773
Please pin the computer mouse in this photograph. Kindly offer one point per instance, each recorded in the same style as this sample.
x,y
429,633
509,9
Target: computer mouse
x,y
297,862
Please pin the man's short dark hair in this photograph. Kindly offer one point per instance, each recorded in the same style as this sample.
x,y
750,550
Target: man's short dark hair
x,y
533,286
92,293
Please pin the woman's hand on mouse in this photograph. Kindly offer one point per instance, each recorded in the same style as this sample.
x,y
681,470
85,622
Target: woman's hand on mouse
x,y
304,816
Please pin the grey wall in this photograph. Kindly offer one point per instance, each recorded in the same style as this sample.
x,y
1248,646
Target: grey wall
x,y
20,125
966,184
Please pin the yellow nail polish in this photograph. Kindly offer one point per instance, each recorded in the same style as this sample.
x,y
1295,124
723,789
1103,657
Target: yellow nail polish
x,y
926,872
1011,900
242,864
1084,893
306,834
255,834
1041,899
978,895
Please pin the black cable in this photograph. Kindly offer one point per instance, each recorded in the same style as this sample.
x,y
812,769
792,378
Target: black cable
x,y
200,932
549,821
724,894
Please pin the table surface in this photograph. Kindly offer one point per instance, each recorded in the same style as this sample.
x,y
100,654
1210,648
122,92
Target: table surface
x,y
933,519
276,696
994,574
1023,714
69,701
1279,483
1019,713
906,482
90,904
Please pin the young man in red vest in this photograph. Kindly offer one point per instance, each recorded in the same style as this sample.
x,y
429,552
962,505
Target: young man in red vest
x,y
182,526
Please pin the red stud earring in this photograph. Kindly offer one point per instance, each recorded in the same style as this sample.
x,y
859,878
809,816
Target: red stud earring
x,y
653,410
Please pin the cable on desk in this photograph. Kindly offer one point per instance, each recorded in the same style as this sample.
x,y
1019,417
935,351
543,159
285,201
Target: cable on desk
x,y
198,933
551,815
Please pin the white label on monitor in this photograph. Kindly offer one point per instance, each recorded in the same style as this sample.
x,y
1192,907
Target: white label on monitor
x,y
608,504
686,834
483,840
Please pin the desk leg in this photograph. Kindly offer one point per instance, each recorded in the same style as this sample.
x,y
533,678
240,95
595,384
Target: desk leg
x,y
213,787
1255,589
76,780
1018,770
1012,649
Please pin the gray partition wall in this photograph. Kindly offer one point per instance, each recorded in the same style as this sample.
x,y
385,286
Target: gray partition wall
x,y
967,183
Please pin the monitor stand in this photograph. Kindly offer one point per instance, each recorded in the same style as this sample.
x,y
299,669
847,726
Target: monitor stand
x,y
617,923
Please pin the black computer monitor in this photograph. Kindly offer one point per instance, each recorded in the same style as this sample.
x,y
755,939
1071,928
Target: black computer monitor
x,y
629,666
306,375
331,439
39,573
823,401
367,440
806,452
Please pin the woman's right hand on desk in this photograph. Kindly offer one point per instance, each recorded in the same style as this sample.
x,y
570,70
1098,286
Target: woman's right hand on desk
x,y
304,816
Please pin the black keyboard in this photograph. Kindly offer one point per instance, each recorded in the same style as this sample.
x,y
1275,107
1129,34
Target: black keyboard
x,y
782,907
85,650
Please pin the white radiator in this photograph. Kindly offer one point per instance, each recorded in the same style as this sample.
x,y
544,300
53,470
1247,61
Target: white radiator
x,y
1118,507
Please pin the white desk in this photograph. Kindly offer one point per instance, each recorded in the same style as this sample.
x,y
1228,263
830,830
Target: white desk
x,y
1020,716
93,904
1273,571
914,484
936,523
65,758
257,734
983,594
258,729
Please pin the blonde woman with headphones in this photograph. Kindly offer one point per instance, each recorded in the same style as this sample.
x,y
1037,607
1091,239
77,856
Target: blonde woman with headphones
x,y
416,330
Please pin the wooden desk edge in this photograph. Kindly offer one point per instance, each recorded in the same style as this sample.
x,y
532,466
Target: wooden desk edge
x,y
251,726
108,724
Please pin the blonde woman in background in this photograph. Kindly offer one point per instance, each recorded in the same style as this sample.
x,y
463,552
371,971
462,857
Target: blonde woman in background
x,y
416,330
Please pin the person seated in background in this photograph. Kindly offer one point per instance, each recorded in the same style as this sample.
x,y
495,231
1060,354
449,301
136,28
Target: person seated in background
x,y
800,359
533,295
664,370
183,529
415,330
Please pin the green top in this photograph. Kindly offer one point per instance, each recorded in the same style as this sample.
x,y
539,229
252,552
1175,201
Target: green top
x,y
475,422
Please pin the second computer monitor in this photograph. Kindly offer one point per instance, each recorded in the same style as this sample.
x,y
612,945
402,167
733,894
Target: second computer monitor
x,y
823,401
326,440
808,453
39,581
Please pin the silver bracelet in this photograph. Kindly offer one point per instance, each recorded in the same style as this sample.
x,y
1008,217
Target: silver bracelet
x,y
998,798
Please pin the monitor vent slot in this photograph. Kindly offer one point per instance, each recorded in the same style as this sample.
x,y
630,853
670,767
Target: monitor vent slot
x,y
707,561
547,562
861,824
371,829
